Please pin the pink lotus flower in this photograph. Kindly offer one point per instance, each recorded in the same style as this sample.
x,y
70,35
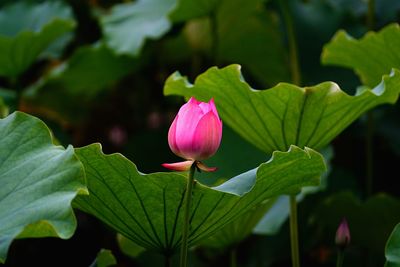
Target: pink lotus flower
x,y
342,238
195,134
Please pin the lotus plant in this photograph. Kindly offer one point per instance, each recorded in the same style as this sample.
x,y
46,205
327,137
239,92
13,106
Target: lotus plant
x,y
195,135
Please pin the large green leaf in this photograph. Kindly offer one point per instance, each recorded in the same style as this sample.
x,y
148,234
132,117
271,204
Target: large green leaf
x,y
271,222
128,25
392,251
286,114
27,31
39,181
234,232
371,57
267,218
89,70
147,208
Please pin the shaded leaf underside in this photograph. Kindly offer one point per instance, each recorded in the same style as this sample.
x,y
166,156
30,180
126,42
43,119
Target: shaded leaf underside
x,y
286,114
147,208
39,181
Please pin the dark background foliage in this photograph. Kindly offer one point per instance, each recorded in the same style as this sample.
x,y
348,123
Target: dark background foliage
x,y
119,102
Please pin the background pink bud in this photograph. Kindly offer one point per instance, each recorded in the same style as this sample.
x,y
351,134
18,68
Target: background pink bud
x,y
196,132
342,238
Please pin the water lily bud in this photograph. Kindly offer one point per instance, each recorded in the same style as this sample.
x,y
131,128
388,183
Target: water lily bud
x,y
342,238
195,133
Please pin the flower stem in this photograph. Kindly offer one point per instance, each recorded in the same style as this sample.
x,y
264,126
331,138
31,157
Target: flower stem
x,y
188,201
369,138
233,257
370,118
296,79
371,15
340,257
291,36
167,261
294,236
215,37
369,152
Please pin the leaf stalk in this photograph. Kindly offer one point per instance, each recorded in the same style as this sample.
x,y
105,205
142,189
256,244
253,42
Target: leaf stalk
x,y
294,235
340,257
188,202
291,36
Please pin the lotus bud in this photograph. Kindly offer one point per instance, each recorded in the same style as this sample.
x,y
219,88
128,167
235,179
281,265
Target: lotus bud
x,y
342,238
195,134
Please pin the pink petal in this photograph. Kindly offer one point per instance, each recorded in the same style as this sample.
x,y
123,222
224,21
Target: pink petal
x,y
194,101
204,167
207,137
205,107
172,137
188,117
213,107
179,166
342,238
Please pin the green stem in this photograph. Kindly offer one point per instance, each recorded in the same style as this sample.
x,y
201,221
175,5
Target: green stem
x,y
294,235
233,257
369,152
371,15
293,54
215,39
370,133
340,257
370,117
185,231
167,260
296,79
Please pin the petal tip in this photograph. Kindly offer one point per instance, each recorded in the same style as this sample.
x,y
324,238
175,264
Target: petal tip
x,y
178,166
205,168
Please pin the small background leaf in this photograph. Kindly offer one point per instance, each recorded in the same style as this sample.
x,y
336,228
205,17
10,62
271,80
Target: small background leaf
x,y
28,31
87,73
128,25
392,251
260,29
187,9
104,258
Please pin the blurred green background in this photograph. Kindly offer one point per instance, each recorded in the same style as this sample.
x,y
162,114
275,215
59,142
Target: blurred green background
x,y
94,71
